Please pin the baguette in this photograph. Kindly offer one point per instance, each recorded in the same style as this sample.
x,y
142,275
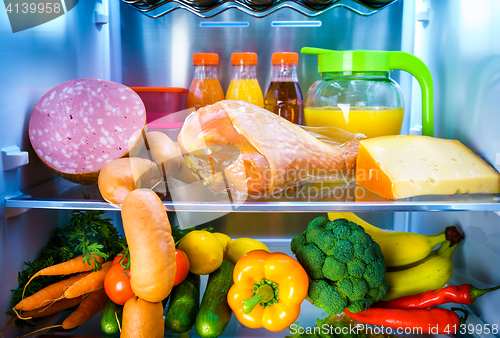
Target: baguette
x,y
119,177
142,319
152,248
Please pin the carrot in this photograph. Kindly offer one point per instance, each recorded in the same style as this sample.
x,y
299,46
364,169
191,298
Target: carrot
x,y
90,306
92,282
47,294
74,265
58,306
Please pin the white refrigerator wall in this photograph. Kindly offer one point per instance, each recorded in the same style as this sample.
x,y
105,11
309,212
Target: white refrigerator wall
x,y
31,62
459,41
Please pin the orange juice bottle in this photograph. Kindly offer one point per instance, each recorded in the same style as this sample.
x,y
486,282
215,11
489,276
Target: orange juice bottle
x,y
205,88
244,85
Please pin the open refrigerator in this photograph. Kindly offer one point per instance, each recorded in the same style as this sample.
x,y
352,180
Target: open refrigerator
x,y
151,43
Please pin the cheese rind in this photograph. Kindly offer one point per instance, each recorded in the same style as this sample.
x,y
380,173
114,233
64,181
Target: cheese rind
x,y
405,166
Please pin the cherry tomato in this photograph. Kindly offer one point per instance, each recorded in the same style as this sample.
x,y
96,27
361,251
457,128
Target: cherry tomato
x,y
182,262
117,284
119,257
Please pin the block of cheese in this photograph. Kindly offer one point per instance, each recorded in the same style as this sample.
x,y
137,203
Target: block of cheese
x,y
407,165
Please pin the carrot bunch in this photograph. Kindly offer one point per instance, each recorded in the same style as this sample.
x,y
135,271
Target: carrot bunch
x,y
83,288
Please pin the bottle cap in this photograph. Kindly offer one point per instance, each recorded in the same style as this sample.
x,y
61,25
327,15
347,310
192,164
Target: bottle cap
x,y
285,58
244,59
205,59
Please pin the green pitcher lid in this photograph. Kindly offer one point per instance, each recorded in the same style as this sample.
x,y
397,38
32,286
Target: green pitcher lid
x,y
349,60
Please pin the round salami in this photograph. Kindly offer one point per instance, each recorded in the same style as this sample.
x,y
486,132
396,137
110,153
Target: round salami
x,y
80,125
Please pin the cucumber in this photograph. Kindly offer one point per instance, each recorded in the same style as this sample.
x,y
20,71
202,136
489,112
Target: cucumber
x,y
215,313
109,325
184,305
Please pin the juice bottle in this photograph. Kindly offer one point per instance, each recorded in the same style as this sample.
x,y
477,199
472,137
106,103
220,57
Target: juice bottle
x,y
244,85
284,96
205,88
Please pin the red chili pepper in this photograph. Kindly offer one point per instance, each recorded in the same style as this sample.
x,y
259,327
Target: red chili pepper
x,y
460,294
435,321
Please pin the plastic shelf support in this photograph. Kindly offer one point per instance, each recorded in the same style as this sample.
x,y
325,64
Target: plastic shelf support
x,y
13,158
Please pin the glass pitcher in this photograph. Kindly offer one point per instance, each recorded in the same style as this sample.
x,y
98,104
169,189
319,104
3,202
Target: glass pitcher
x,y
356,93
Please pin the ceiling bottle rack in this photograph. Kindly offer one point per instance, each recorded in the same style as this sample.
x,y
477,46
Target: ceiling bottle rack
x,y
256,8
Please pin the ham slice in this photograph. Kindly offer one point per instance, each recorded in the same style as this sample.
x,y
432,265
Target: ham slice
x,y
80,125
238,147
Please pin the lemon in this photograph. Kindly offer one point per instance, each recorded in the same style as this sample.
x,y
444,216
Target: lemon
x,y
203,250
240,246
223,240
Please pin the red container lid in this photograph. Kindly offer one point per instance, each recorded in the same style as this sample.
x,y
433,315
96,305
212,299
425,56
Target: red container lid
x,y
159,90
285,58
205,59
244,59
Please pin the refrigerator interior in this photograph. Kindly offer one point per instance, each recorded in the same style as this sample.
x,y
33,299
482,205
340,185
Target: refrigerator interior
x,y
457,39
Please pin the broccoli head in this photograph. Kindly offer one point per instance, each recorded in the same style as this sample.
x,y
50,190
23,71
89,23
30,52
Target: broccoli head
x,y
297,242
345,266
310,257
326,296
315,229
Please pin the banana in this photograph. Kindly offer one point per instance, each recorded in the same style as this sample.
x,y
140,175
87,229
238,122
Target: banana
x,y
403,248
369,229
398,248
433,273
439,251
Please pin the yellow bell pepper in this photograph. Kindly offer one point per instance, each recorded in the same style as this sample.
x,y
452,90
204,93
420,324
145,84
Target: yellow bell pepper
x,y
268,290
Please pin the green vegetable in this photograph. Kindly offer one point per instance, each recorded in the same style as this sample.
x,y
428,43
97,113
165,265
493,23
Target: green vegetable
x,y
215,313
345,266
109,323
86,233
184,305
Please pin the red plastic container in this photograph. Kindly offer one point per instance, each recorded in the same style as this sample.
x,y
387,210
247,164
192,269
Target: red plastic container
x,y
165,103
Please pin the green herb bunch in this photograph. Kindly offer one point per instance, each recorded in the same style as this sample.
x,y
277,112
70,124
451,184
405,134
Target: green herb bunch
x,y
85,234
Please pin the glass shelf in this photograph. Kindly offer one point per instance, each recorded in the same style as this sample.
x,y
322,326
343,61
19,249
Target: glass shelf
x,y
61,194
156,9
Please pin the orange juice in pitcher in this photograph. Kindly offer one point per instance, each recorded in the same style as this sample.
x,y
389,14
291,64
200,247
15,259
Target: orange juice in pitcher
x,y
370,122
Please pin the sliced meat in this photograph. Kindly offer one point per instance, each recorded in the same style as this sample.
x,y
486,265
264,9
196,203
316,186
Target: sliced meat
x,y
80,125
